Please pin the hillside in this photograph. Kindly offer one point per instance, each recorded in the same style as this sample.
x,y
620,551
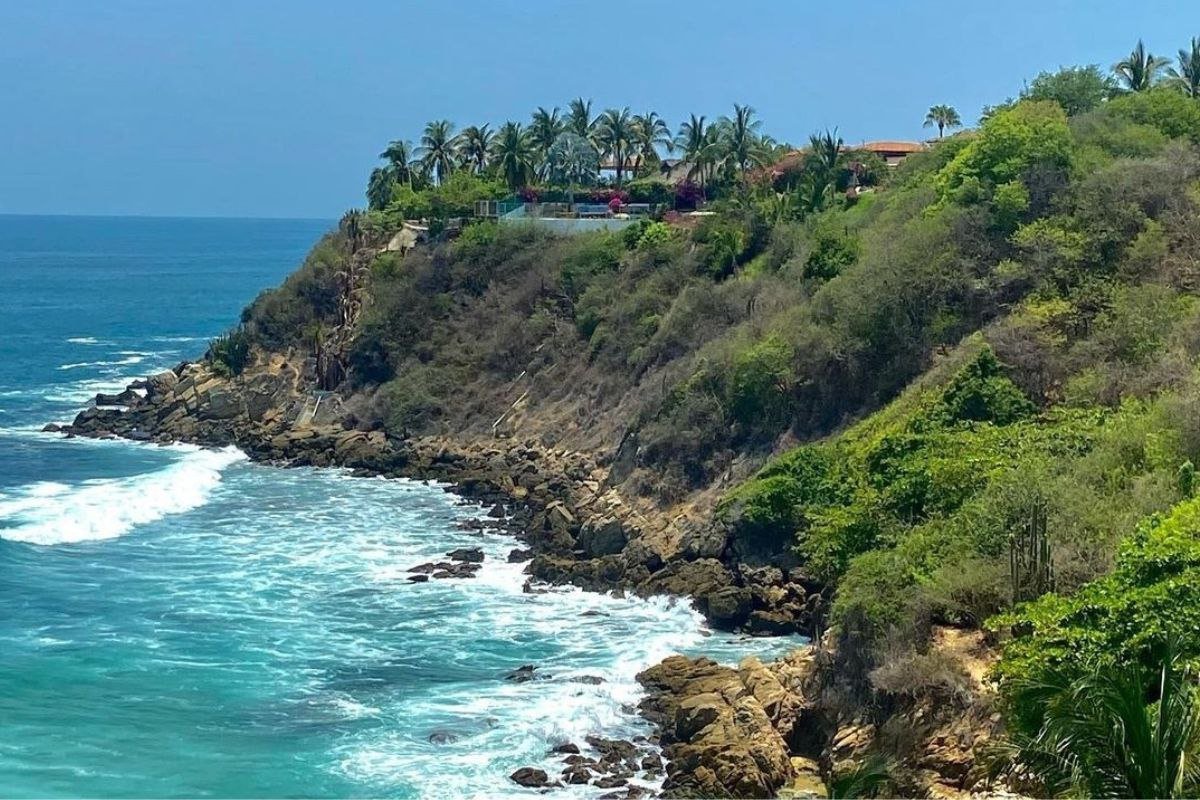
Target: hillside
x,y
961,404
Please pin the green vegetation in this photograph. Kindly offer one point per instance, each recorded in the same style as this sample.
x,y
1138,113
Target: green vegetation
x,y
230,352
988,355
1112,733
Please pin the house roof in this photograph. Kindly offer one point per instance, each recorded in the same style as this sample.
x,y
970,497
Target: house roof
x,y
889,146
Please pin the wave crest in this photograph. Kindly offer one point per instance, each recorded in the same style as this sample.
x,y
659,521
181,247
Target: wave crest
x,y
49,513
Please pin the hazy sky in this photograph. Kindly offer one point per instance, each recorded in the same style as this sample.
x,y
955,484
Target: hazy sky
x,y
245,108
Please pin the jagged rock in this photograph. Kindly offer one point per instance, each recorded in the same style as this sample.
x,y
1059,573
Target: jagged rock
x,y
603,537
517,555
473,555
729,605
576,775
566,748
524,673
161,384
530,777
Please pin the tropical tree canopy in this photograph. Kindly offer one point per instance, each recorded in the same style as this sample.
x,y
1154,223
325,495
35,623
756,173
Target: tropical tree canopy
x,y
1186,76
943,117
438,152
1140,69
513,154
571,160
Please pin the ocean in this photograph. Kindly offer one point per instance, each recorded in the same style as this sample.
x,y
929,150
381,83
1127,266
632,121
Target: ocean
x,y
180,622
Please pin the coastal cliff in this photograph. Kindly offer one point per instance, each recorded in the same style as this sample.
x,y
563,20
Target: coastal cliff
x,y
782,728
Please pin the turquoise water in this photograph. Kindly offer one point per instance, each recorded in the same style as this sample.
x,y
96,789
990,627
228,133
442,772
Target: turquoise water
x,y
181,622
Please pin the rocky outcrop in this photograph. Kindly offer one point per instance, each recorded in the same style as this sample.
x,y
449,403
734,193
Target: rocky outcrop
x,y
578,528
720,727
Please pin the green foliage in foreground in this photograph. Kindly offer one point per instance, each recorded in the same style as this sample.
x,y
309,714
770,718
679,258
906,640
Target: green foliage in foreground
x,y
1152,597
1113,733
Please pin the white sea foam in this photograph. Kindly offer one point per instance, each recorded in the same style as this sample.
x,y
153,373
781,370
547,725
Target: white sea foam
x,y
132,358
49,513
84,340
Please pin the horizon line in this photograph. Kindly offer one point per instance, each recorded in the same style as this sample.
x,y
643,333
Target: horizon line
x,y
166,216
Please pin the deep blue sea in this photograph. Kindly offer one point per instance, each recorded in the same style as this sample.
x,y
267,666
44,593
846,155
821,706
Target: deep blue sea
x,y
177,622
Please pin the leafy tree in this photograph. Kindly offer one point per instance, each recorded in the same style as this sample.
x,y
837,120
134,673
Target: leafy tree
x,y
943,117
1172,113
1186,78
437,152
513,154
614,134
1140,69
475,145
1076,89
1009,143
1111,734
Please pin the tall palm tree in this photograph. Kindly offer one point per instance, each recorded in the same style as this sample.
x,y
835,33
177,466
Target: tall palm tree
x,y
1187,77
698,143
474,145
943,117
572,161
649,132
513,154
544,128
437,151
579,119
740,135
825,152
1139,71
614,133
399,155
1109,734
379,188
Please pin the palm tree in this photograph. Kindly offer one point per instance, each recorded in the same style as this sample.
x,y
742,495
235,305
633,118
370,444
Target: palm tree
x,y
1187,77
740,135
474,144
649,131
614,133
579,119
943,117
513,154
825,152
695,140
863,780
572,161
544,128
379,188
1139,71
399,157
1109,734
437,150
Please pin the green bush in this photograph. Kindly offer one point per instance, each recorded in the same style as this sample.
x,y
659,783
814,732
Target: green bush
x,y
760,384
1174,114
1029,134
229,353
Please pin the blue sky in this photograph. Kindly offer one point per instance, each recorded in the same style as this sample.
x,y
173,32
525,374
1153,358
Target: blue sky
x,y
244,108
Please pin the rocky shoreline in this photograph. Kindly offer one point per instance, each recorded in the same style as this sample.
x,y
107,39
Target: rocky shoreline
x,y
755,731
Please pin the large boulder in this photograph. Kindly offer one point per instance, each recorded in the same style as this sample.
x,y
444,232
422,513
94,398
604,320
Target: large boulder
x,y
160,385
603,537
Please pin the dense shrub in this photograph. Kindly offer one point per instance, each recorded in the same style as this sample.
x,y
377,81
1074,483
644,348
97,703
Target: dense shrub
x,y
230,352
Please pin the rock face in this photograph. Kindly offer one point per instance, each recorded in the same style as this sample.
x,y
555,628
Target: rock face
x,y
749,732
719,735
